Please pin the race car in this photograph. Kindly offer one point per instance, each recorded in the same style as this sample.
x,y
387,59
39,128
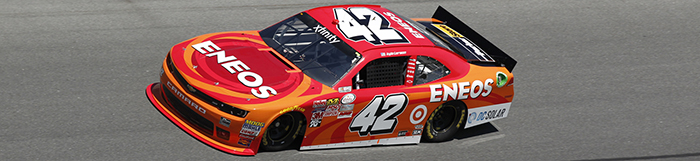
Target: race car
x,y
334,77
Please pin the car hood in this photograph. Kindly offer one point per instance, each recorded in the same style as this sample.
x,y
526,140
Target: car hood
x,y
239,68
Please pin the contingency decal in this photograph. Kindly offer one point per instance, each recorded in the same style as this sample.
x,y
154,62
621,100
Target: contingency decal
x,y
293,108
410,70
316,117
252,127
345,111
325,102
464,42
501,79
360,23
379,116
245,140
403,133
348,98
331,110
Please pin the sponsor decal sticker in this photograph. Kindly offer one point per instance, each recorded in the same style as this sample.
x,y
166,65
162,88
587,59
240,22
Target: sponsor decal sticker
x,y
419,126
461,90
333,101
501,79
316,117
410,70
245,142
464,42
331,110
233,66
447,30
293,108
418,114
251,127
323,31
348,98
224,121
246,136
344,114
417,131
345,89
471,117
403,133
404,25
486,115
348,107
319,103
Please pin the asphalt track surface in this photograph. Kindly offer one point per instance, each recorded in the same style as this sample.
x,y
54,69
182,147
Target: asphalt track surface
x,y
595,80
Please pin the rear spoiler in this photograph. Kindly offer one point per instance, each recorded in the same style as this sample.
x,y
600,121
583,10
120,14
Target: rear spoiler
x,y
453,22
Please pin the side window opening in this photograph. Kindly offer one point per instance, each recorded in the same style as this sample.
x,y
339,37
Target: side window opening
x,y
382,73
428,69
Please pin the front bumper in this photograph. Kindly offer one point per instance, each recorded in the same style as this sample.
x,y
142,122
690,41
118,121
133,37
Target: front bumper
x,y
157,97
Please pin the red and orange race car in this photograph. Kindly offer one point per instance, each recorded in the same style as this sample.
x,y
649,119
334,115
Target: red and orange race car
x,y
334,77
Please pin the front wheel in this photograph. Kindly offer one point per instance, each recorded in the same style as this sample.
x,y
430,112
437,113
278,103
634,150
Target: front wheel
x,y
444,122
282,132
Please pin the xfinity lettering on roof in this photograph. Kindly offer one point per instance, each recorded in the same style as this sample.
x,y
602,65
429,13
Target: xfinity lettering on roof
x,y
326,34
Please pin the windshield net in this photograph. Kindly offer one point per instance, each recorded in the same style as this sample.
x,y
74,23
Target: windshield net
x,y
304,46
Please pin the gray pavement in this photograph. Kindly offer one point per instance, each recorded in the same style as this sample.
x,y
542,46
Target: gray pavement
x,y
596,80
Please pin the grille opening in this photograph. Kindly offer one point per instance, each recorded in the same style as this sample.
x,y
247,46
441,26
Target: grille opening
x,y
190,115
208,99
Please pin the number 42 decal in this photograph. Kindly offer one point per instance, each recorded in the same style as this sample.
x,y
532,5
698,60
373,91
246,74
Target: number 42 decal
x,y
360,23
379,116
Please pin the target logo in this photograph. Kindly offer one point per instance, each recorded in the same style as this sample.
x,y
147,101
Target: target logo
x,y
418,114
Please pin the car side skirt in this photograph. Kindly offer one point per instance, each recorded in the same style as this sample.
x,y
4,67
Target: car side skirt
x,y
387,141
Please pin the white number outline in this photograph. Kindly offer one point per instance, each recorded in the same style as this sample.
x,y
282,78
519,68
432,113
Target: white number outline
x,y
383,112
370,31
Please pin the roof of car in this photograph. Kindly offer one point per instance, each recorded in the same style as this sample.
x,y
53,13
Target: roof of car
x,y
366,27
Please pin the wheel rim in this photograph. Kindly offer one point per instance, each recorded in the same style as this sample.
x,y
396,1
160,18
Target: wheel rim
x,y
444,118
281,127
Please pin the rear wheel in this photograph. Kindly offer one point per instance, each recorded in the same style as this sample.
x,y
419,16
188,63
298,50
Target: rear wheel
x,y
282,132
444,122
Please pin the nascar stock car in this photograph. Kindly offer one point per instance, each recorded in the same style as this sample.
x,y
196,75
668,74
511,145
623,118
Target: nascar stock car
x,y
334,77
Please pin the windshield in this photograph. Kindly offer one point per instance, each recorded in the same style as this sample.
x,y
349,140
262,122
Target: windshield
x,y
316,51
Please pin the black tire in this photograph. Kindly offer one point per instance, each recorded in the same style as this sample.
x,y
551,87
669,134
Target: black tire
x,y
444,122
282,132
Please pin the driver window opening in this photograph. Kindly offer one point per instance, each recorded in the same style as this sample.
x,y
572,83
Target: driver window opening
x,y
382,73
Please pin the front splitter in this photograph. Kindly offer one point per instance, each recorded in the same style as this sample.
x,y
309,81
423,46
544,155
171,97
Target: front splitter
x,y
155,96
